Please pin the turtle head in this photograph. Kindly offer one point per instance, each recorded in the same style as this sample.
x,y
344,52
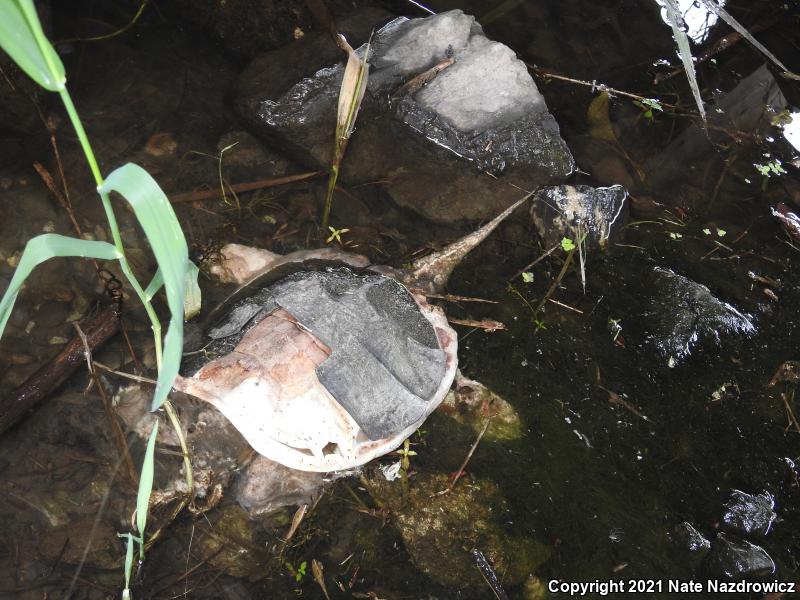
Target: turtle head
x,y
431,273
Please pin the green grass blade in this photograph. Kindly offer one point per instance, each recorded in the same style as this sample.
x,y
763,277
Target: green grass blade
x,y
715,7
42,248
160,225
129,542
684,50
155,284
146,482
21,36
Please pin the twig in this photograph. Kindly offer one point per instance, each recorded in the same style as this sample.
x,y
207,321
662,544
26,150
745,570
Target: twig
x,y
601,87
528,266
489,325
119,436
125,375
463,466
567,306
54,373
243,187
553,287
790,414
454,298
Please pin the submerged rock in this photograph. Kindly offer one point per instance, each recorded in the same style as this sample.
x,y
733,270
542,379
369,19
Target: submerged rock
x,y
431,133
572,210
691,539
683,314
471,403
737,559
749,514
441,530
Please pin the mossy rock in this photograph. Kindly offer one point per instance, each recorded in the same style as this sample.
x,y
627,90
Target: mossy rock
x,y
441,530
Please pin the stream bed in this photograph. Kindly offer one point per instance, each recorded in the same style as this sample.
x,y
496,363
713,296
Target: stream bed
x,y
650,433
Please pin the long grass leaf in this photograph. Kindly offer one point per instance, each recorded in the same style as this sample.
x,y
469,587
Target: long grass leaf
x,y
685,52
351,92
129,544
44,247
22,38
351,95
716,8
146,481
159,223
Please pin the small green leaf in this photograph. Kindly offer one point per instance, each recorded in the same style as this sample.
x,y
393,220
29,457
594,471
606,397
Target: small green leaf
x,y
721,232
707,231
567,245
44,247
527,277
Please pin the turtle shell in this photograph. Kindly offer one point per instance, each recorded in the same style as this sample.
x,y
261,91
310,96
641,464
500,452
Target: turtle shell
x,y
322,365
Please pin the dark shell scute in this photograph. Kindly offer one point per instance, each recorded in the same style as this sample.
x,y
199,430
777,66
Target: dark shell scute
x,y
385,364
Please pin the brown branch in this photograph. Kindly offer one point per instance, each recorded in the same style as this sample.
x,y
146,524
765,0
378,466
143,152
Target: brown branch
x,y
54,373
239,188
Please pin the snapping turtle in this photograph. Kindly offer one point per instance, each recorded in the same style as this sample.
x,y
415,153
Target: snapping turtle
x,y
324,361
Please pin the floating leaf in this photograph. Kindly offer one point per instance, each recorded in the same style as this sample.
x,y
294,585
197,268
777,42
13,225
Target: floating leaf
x,y
527,277
599,119
42,248
567,245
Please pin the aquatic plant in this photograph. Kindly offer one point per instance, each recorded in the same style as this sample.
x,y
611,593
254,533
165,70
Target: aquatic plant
x,y
351,94
675,20
22,37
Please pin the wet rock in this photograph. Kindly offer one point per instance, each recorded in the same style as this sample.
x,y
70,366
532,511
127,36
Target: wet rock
x,y
471,403
264,486
247,159
737,559
684,314
691,539
441,530
749,514
572,210
481,113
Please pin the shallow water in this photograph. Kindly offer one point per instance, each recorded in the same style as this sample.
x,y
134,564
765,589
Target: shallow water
x,y
592,480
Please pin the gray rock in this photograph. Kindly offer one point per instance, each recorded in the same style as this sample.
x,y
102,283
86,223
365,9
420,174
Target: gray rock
x,y
750,514
691,539
737,559
684,313
433,143
565,210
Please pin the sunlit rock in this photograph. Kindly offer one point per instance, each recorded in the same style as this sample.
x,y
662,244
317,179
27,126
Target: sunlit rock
x,y
574,210
444,105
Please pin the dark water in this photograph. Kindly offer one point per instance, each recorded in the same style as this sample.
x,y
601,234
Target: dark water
x,y
596,483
